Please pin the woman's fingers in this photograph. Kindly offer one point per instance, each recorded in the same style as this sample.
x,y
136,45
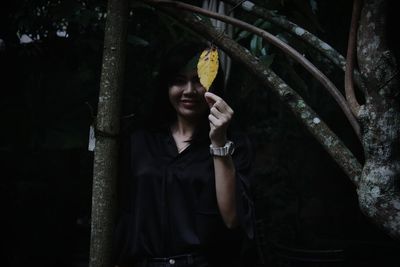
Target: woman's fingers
x,y
211,98
214,110
215,101
219,117
213,121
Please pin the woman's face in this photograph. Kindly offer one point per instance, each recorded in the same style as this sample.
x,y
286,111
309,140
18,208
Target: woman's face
x,y
186,95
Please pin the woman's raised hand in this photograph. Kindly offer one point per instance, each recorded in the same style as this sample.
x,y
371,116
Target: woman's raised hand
x,y
220,116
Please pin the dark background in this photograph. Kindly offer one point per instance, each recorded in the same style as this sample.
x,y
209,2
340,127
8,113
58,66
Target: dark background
x,y
306,208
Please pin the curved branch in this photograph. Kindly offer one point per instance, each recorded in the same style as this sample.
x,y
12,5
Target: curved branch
x,y
351,51
281,45
293,28
330,142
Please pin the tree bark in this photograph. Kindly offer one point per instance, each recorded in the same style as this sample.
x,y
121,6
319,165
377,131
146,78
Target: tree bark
x,y
107,130
379,188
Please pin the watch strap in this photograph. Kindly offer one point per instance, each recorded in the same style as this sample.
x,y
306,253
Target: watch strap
x,y
223,151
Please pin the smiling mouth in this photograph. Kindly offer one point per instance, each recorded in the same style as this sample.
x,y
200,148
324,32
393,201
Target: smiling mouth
x,y
189,103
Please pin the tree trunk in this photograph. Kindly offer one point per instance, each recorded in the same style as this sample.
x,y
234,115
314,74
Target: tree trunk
x,y
379,186
107,130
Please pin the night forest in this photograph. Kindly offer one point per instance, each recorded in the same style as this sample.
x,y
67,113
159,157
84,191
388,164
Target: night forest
x,y
310,209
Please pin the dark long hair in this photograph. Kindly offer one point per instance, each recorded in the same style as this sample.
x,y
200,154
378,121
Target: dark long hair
x,y
175,59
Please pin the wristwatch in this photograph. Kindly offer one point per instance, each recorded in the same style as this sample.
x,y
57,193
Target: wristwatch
x,y
224,151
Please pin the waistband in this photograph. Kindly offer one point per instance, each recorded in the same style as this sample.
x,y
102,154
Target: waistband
x,y
176,260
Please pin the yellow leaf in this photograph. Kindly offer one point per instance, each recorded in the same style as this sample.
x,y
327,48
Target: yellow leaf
x,y
207,67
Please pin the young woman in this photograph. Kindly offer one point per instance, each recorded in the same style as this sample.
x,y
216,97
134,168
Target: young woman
x,y
186,183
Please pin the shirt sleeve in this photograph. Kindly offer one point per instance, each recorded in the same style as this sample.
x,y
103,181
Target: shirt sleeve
x,y
243,157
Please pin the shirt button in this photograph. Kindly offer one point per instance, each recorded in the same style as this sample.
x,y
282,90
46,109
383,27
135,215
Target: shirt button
x,y
171,261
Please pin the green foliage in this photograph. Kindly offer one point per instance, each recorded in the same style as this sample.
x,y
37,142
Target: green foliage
x,y
42,18
137,41
260,23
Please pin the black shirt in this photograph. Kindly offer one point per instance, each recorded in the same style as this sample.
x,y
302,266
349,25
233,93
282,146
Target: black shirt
x,y
169,204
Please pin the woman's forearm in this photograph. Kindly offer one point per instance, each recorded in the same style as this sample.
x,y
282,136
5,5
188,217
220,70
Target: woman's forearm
x,y
225,186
